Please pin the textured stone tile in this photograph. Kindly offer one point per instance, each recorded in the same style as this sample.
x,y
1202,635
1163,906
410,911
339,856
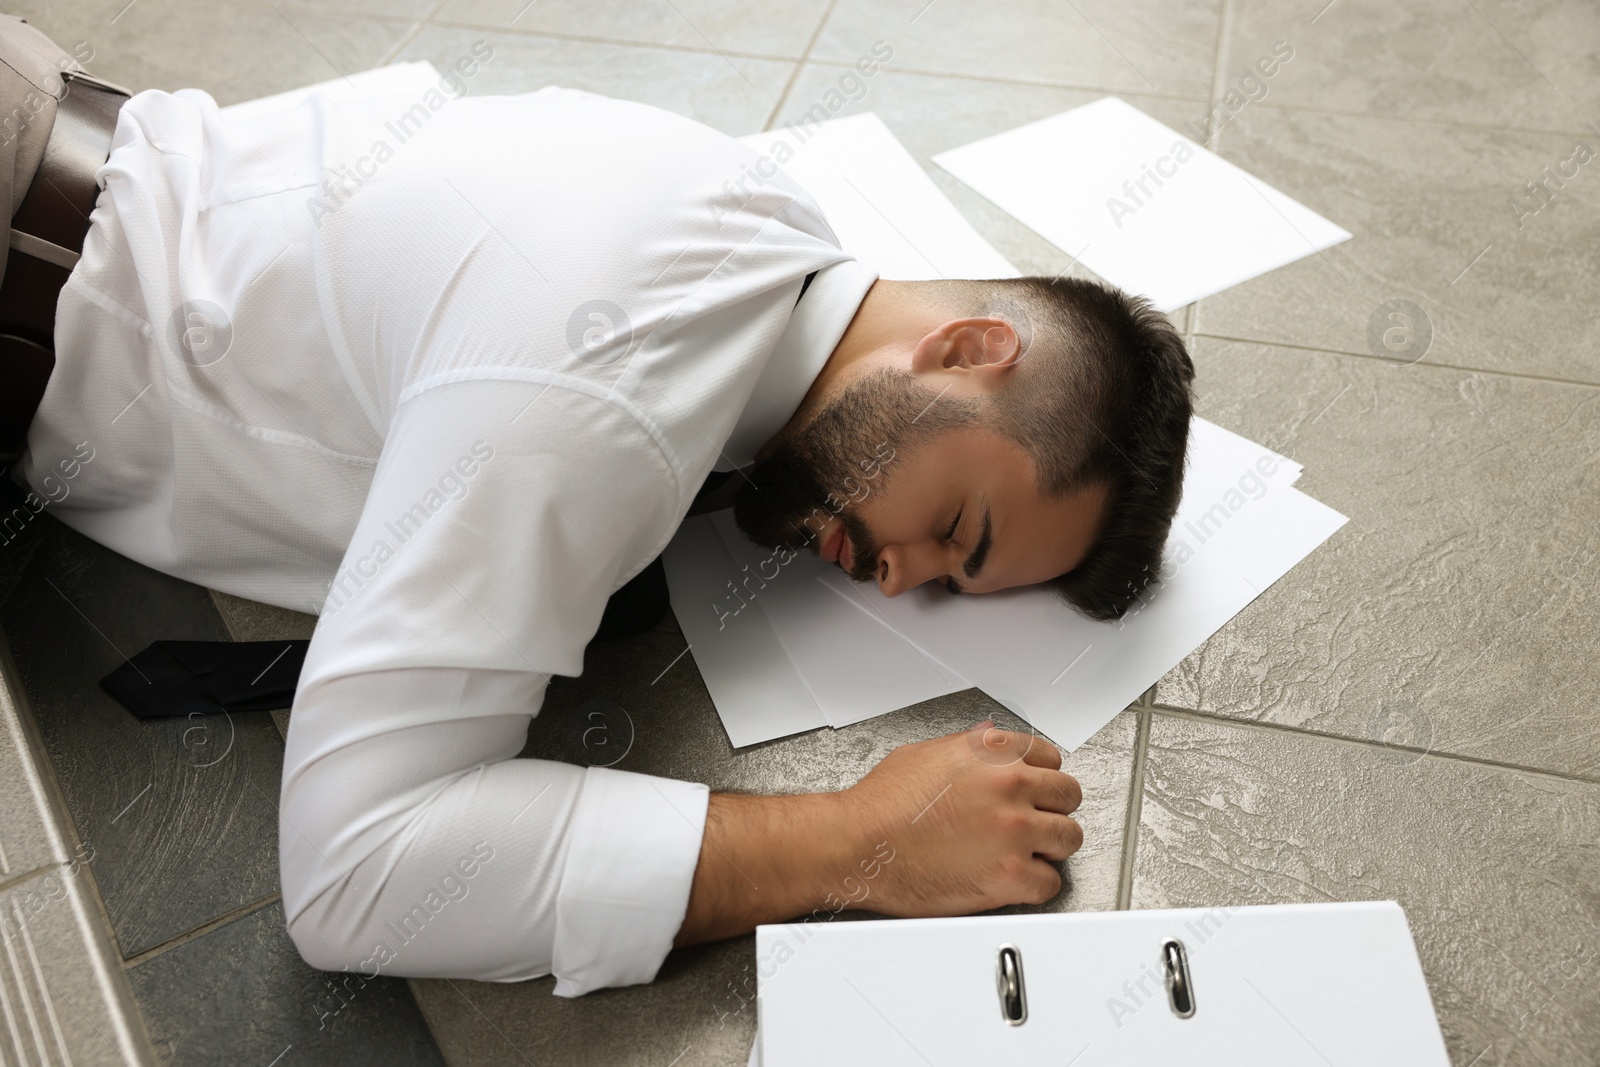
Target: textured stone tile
x,y
1136,47
240,994
930,114
1425,202
659,719
28,838
250,620
1517,63
1496,869
66,1000
779,28
232,52
1454,611
699,1012
14,557
182,815
732,94
21,528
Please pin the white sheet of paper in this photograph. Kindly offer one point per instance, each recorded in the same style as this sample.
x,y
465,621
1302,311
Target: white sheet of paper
x,y
397,79
756,688
850,670
1239,528
1068,675
882,205
1195,226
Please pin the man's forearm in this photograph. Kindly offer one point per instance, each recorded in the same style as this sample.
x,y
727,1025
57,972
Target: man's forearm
x,y
972,820
764,859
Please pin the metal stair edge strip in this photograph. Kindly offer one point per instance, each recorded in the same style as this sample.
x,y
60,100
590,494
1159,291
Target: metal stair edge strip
x,y
41,1021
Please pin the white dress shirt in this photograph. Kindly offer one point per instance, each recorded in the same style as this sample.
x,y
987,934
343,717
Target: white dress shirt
x,y
367,361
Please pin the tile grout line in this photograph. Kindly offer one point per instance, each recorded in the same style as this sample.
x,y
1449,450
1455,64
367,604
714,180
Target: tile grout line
x,y
839,63
178,941
1130,825
552,35
1078,87
432,20
1211,717
800,65
1219,63
411,34
12,881
1387,362
310,9
1312,109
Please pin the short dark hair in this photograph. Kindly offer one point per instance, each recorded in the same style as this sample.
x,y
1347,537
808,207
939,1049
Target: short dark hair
x,y
1103,393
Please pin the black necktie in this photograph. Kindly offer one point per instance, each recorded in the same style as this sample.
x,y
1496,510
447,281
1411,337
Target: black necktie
x,y
180,677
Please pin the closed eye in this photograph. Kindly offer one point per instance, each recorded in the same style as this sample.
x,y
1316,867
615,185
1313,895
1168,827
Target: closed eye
x,y
949,535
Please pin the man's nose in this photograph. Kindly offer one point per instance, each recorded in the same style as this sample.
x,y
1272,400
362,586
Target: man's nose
x,y
902,567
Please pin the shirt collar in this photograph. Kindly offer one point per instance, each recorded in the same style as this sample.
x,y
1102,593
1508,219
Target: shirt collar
x,y
815,327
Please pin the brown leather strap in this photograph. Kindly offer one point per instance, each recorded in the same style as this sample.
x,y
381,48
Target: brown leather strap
x,y
46,237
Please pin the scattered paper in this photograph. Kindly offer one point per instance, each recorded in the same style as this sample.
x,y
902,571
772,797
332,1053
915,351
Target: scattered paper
x,y
837,647
1139,204
756,688
882,205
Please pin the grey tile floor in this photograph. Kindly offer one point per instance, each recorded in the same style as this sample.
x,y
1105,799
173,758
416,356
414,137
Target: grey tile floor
x,y
174,825
1410,714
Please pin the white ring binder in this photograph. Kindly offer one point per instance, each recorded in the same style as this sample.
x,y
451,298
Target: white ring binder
x,y
1104,989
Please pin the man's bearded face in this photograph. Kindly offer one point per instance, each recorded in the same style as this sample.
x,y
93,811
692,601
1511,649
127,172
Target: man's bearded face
x,y
843,456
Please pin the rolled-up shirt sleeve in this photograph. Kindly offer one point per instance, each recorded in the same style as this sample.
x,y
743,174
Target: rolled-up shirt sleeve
x,y
413,839
615,916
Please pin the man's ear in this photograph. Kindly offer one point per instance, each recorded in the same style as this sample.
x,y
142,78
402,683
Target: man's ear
x,y
985,347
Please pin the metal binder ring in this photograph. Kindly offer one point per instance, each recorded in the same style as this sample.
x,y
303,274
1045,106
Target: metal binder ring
x,y
1008,980
1180,990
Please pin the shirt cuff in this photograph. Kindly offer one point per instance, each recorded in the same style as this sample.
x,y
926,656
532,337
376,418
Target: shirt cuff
x,y
633,847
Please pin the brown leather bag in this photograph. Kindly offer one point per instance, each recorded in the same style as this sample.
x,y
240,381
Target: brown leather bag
x,y
56,123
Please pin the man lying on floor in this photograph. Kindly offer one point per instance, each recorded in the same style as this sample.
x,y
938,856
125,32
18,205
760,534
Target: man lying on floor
x,y
461,410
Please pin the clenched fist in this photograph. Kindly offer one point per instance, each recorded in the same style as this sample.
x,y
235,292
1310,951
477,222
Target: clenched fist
x,y
972,817
954,825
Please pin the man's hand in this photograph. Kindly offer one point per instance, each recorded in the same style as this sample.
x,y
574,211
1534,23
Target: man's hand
x,y
972,819
948,826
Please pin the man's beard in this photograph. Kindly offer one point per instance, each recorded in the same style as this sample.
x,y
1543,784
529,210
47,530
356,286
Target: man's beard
x,y
844,456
